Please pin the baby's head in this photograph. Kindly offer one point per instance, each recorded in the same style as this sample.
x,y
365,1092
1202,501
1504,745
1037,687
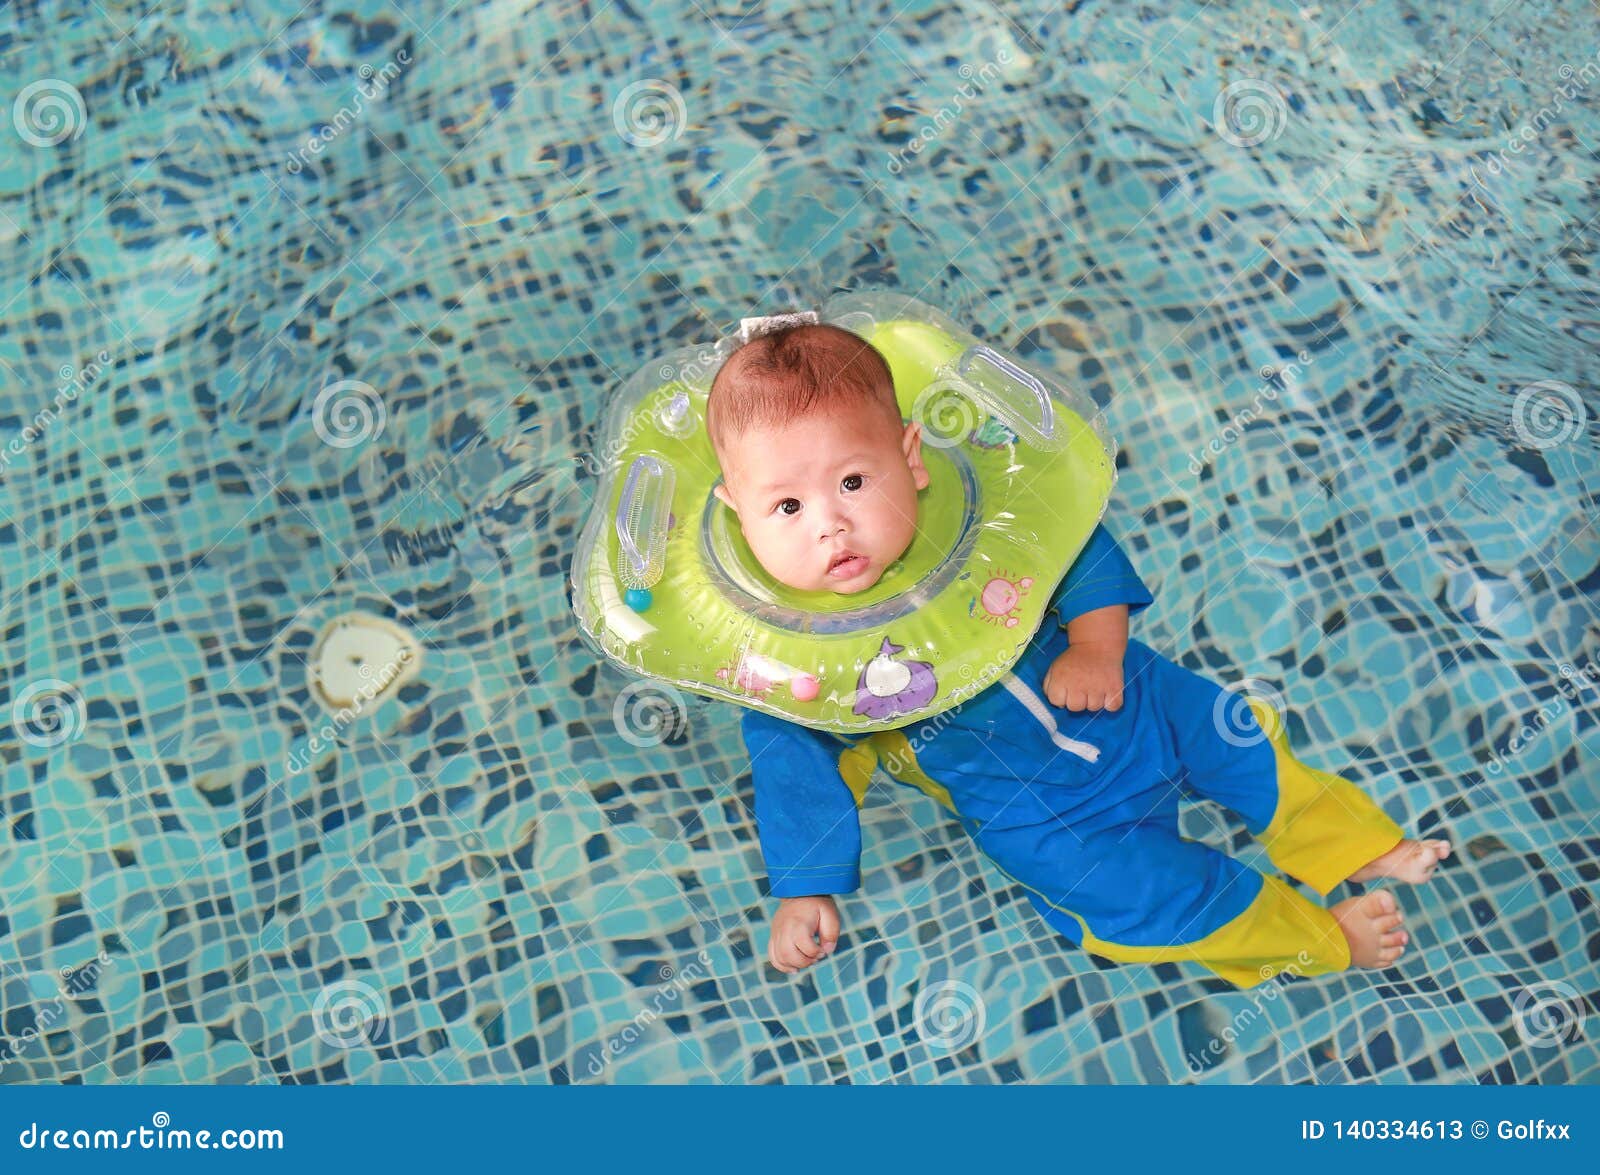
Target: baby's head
x,y
815,459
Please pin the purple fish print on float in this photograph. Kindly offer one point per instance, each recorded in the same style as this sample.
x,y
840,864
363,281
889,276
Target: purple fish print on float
x,y
888,687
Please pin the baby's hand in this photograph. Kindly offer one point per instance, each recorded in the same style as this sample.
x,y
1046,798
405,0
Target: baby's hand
x,y
1085,677
791,949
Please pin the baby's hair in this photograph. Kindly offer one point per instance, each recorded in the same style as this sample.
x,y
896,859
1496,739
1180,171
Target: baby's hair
x,y
789,373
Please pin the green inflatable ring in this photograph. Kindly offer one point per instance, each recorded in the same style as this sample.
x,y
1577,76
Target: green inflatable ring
x,y
664,584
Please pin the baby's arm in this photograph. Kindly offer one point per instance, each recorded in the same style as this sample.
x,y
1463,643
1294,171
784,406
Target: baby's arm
x,y
810,833
1094,601
1088,676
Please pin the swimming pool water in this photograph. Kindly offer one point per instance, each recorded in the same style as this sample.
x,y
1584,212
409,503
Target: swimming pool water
x,y
1328,270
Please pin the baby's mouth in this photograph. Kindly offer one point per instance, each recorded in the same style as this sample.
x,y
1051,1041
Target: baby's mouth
x,y
847,565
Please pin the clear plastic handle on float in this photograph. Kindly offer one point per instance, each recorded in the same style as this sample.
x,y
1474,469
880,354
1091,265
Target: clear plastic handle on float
x,y
642,517
1008,393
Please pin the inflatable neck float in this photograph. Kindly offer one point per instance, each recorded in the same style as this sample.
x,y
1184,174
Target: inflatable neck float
x,y
664,584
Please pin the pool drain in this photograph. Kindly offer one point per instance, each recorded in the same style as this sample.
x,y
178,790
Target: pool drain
x,y
360,658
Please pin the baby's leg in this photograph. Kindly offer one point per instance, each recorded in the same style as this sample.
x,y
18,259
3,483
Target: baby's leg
x,y
1145,895
1304,817
1317,827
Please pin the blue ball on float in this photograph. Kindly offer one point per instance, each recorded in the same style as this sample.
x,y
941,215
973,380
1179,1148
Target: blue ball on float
x,y
638,599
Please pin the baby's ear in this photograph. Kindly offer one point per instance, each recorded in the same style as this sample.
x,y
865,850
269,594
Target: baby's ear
x,y
721,490
911,443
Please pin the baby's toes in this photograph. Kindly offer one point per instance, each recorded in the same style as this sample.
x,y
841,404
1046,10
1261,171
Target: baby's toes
x,y
1433,852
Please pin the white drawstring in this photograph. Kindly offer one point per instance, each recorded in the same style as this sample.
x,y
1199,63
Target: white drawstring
x,y
1036,705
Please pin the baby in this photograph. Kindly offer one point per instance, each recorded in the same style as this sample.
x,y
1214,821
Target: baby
x,y
1068,771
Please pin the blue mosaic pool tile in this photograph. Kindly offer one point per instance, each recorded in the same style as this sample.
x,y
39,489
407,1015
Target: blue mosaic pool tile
x,y
479,879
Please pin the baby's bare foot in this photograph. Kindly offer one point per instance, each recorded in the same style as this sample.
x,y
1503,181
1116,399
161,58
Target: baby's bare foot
x,y
1371,921
1410,860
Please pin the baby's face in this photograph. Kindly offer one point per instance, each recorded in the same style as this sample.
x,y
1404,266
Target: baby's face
x,y
829,502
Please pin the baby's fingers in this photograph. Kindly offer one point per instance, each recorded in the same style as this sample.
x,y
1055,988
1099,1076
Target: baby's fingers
x,y
781,948
828,928
795,954
778,955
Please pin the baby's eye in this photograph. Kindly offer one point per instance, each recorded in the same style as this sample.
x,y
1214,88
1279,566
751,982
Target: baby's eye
x,y
856,478
782,506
